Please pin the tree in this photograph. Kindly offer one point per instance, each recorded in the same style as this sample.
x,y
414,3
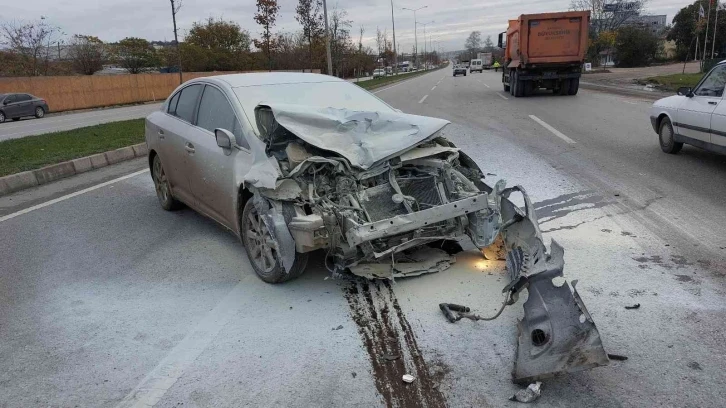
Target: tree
x,y
635,47
29,43
609,18
473,43
87,54
223,43
687,26
175,6
340,41
309,16
488,44
135,54
266,16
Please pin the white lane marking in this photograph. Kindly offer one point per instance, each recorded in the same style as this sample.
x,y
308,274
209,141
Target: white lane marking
x,y
423,99
434,87
486,85
502,96
66,197
630,102
551,129
158,381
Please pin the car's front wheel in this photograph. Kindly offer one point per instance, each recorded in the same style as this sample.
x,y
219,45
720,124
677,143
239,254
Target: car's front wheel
x,y
39,112
666,138
261,249
161,184
2,117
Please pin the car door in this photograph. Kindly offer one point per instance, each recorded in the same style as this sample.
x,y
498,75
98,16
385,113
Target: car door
x,y
718,118
25,105
694,115
173,134
212,169
11,107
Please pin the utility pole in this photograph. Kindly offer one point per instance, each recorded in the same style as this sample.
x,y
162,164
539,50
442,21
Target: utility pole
x,y
425,47
415,33
175,6
395,50
327,38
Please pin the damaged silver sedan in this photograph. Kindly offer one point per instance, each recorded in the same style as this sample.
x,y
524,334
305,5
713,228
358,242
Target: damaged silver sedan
x,y
294,163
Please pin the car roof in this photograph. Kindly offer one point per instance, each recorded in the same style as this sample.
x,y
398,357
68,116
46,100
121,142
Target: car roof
x,y
267,78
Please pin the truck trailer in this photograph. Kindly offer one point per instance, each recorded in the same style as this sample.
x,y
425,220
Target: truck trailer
x,y
486,59
544,51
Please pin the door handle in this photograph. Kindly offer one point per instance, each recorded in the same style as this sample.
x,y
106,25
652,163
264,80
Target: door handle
x,y
189,147
712,103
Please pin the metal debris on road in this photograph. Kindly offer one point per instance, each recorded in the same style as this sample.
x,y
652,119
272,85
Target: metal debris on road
x,y
408,378
338,328
529,394
635,306
391,357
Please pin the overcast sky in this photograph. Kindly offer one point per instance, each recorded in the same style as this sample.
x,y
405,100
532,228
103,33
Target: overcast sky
x,y
452,20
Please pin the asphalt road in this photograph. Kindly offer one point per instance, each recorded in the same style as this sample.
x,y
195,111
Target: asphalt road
x,y
106,300
73,120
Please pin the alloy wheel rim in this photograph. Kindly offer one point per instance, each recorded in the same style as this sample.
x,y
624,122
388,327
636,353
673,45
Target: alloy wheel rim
x,y
39,112
160,181
259,242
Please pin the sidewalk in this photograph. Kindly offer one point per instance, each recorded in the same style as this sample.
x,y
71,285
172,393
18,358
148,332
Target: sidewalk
x,y
623,80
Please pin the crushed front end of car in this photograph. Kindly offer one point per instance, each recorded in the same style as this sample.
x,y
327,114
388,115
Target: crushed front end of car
x,y
380,192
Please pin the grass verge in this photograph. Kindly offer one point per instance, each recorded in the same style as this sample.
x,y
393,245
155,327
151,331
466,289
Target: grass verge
x,y
34,152
379,82
674,81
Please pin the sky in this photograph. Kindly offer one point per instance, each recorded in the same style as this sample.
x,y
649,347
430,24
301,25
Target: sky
x,y
450,21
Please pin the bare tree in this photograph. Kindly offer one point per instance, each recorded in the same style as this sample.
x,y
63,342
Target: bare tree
x,y
360,38
29,42
87,54
175,6
266,16
608,15
339,37
473,42
309,16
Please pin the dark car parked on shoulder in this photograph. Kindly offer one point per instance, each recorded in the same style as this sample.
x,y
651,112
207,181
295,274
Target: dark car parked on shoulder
x,y
17,105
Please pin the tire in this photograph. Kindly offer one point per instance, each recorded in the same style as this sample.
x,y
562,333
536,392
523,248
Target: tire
x,y
2,116
162,187
666,138
464,73
564,87
39,112
528,88
506,87
518,86
574,86
262,257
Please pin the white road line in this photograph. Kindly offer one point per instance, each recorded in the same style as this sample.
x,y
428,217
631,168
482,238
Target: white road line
x,y
66,197
631,102
434,87
158,381
551,129
502,96
486,85
423,99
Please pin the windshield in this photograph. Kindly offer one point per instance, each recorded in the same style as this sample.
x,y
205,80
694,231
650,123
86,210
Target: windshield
x,y
334,94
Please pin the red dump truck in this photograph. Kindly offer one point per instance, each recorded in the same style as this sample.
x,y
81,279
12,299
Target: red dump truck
x,y
544,51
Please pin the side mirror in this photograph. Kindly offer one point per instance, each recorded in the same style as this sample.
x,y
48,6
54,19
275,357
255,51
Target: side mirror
x,y
685,91
224,138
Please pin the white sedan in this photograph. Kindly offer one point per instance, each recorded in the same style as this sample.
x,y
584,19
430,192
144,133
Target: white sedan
x,y
695,116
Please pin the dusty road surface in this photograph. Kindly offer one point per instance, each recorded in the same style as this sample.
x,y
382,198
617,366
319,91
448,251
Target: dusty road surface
x,y
108,301
73,120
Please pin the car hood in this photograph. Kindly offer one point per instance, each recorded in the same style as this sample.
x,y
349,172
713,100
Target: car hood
x,y
364,138
669,102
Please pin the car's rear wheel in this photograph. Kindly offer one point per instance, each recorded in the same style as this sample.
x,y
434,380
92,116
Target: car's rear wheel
x,y
161,184
260,248
39,112
667,139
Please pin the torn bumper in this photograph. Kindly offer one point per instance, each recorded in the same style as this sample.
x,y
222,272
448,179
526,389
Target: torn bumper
x,y
557,334
361,233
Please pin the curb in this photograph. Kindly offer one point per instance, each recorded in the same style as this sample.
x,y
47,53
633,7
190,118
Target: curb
x,y
27,179
655,95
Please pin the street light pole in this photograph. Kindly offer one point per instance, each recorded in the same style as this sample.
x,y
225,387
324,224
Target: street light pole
x,y
425,48
327,38
415,33
395,50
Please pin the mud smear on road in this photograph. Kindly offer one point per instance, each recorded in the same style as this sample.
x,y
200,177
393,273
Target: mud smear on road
x,y
391,346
